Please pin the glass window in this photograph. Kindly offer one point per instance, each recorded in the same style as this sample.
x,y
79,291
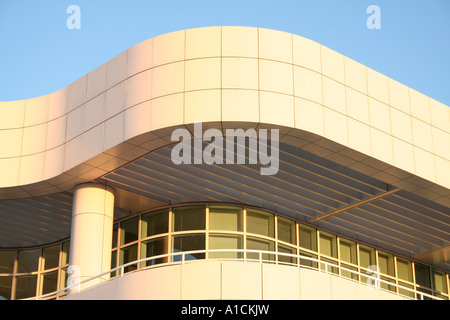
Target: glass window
x,y
439,282
260,222
366,260
7,258
289,250
114,262
156,222
308,239
114,259
154,247
225,218
386,266
189,243
129,230
347,251
404,269
422,275
328,244
5,288
225,241
115,235
286,230
25,287
65,253
28,260
128,254
366,257
307,262
386,263
347,254
260,244
50,281
406,292
189,218
63,278
327,265
51,257
423,279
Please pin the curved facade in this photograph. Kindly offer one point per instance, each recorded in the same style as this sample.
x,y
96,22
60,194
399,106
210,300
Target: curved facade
x,y
361,155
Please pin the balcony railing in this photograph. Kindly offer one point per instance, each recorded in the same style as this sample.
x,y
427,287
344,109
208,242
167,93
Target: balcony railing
x,y
372,277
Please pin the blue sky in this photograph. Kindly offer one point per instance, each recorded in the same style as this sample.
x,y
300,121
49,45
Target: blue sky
x,y
39,54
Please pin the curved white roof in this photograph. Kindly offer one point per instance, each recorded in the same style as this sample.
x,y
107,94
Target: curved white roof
x,y
373,128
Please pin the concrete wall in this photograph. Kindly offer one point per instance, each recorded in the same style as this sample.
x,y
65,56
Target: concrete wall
x,y
204,280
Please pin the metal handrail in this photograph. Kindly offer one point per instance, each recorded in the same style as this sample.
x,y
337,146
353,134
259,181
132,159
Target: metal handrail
x,y
375,277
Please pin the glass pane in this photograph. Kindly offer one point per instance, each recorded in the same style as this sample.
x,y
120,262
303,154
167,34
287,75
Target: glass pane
x,y
366,260
328,265
28,260
115,235
114,263
260,244
113,259
153,248
423,297
5,288
25,287
7,258
63,278
50,281
308,239
307,262
366,257
156,222
406,292
189,243
289,250
65,253
51,257
440,296
286,230
224,241
225,218
347,251
404,269
386,263
387,286
129,230
189,218
347,273
328,244
260,222
439,282
422,275
128,254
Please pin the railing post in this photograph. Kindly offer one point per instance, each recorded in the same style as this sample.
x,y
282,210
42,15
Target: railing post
x,y
260,257
183,258
121,271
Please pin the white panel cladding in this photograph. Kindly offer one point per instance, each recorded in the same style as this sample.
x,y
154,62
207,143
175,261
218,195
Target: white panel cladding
x,y
202,280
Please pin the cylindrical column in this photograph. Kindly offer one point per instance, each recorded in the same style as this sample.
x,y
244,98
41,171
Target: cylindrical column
x,y
91,233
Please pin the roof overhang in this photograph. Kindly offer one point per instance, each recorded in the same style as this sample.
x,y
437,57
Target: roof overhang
x,y
360,176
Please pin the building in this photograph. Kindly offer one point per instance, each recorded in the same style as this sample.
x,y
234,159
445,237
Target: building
x,y
358,208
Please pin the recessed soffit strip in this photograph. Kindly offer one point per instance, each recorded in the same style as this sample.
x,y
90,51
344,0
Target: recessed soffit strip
x,y
355,205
